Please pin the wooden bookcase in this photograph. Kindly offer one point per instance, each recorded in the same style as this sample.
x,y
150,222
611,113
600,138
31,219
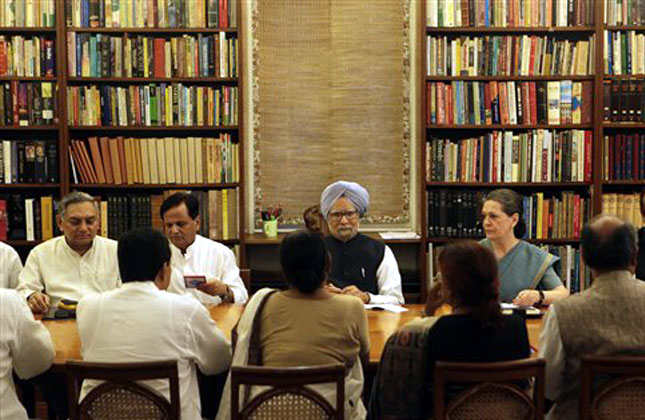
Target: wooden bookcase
x,y
64,132
593,189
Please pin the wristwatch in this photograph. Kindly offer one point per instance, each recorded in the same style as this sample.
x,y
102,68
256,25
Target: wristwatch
x,y
228,297
539,302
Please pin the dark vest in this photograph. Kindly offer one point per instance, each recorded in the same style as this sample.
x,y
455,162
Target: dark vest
x,y
355,262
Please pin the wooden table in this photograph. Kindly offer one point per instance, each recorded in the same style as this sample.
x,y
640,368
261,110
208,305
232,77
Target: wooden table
x,y
381,325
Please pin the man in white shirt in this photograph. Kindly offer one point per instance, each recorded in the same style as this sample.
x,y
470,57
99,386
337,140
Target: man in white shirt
x,y
10,266
25,346
141,322
72,265
361,266
604,319
195,255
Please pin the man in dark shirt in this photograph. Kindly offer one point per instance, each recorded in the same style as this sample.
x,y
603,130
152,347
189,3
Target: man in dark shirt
x,y
361,266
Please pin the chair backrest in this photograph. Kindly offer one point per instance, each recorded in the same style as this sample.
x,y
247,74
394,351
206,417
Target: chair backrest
x,y
491,388
245,275
286,395
119,396
621,396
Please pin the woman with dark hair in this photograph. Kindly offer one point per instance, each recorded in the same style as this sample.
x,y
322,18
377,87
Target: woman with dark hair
x,y
527,277
640,260
305,325
475,331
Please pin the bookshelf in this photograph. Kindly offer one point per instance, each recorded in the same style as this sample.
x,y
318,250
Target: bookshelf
x,y
596,185
191,26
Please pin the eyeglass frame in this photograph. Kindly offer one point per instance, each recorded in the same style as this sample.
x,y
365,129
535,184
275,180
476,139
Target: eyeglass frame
x,y
350,215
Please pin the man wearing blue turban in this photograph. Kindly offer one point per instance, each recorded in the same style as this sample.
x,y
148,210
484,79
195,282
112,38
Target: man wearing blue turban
x,y
361,266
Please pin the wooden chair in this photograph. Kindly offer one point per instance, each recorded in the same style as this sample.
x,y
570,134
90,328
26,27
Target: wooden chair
x,y
491,390
620,397
286,396
120,397
245,275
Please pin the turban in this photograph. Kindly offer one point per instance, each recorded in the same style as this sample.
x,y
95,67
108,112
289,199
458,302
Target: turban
x,y
358,195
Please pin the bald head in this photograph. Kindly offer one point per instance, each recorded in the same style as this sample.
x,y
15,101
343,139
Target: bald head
x,y
608,244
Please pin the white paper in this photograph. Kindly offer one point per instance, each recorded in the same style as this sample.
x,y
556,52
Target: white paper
x,y
399,235
386,307
530,310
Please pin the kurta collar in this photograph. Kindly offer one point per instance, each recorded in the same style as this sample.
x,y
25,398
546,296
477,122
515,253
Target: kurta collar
x,y
72,252
145,285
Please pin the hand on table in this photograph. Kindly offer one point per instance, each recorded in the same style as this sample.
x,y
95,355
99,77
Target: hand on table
x,y
216,288
333,289
355,291
527,297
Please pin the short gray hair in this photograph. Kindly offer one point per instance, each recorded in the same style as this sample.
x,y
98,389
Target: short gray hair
x,y
75,197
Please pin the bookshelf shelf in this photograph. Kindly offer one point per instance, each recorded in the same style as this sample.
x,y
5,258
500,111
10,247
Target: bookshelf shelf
x,y
501,30
624,183
509,184
13,242
14,29
29,128
28,78
624,28
509,126
156,186
33,186
153,30
505,78
624,76
623,125
154,128
564,241
152,79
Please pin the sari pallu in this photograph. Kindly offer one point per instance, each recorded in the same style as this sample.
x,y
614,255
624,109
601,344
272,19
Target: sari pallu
x,y
401,389
248,352
525,267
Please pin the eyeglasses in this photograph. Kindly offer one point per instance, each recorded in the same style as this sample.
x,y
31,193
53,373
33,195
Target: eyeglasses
x,y
336,216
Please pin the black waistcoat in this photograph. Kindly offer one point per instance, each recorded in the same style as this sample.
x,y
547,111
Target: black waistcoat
x,y
355,262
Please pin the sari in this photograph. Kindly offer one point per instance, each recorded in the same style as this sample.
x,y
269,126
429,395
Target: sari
x,y
525,266
247,352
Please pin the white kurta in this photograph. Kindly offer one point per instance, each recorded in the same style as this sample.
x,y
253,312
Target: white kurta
x,y
205,257
388,280
25,346
64,274
10,266
140,323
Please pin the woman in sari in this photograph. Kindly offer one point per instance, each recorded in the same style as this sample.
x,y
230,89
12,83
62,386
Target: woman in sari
x,y
305,325
475,331
527,277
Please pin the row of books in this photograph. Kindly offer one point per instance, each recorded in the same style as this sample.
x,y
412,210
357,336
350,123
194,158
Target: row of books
x,y
28,161
509,13
218,212
624,157
575,275
624,52
161,104
151,13
169,160
456,214
101,55
624,12
27,218
27,56
506,156
552,102
624,100
625,206
27,13
27,103
523,55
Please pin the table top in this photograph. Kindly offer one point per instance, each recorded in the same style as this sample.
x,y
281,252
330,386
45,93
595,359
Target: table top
x,y
382,324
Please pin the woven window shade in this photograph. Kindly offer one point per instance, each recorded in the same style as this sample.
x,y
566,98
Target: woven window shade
x,y
331,101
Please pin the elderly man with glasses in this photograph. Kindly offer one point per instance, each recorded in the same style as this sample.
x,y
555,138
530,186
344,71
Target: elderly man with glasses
x,y
360,266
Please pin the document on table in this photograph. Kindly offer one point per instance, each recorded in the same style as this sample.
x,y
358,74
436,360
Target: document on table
x,y
530,310
389,307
